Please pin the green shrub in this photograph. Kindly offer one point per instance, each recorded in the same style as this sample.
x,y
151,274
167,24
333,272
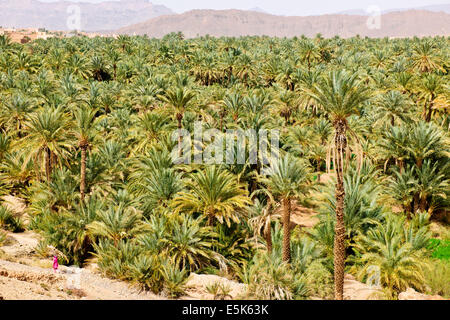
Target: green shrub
x,y
219,290
116,261
145,271
319,281
174,279
9,222
438,278
269,278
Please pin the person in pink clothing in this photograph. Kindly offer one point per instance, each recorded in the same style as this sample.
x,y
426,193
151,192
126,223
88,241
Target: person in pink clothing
x,y
55,264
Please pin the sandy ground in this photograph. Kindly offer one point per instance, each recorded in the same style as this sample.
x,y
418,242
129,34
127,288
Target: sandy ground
x,y
22,282
24,276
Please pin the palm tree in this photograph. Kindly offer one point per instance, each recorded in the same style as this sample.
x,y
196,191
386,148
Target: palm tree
x,y
214,193
430,89
393,145
179,99
340,94
431,183
117,223
400,264
392,106
261,217
425,57
15,112
287,179
77,223
402,186
188,244
425,140
84,119
48,137
286,103
233,103
309,52
5,41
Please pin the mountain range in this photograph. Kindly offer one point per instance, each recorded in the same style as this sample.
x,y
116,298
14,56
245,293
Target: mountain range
x,y
241,23
434,8
142,17
108,15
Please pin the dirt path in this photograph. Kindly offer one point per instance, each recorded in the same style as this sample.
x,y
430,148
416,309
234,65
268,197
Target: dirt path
x,y
22,282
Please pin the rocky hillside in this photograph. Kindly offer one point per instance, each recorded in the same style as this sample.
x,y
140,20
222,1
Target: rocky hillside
x,y
109,15
240,23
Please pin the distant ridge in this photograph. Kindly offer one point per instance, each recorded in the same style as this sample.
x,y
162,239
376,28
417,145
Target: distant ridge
x,y
434,8
258,9
109,15
241,23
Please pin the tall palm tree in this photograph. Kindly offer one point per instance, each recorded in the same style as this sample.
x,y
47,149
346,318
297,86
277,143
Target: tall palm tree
x,y
84,120
340,94
178,98
430,89
261,217
287,178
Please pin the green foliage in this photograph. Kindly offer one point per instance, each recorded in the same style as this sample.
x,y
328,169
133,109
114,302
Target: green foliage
x,y
269,278
219,290
440,249
396,249
319,281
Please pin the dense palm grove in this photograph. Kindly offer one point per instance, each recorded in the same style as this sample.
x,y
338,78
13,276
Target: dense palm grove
x,y
86,139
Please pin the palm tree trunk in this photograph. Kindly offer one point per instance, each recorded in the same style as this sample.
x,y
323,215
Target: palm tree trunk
x,y
287,230
319,164
180,137
268,236
401,165
339,238
430,112
48,166
423,204
83,172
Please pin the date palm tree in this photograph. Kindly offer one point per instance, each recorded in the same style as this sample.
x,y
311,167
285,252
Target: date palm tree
x,y
117,223
48,138
84,120
214,193
260,219
391,107
287,179
340,94
178,98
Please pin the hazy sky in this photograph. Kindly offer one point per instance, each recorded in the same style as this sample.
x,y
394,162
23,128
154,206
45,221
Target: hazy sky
x,y
289,7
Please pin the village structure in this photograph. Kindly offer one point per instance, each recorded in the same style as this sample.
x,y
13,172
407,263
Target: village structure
x,y
25,35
